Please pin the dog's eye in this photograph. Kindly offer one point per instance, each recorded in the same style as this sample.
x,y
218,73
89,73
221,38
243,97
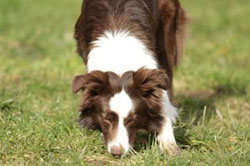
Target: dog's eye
x,y
93,92
107,120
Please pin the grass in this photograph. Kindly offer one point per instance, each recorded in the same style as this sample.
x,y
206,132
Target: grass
x,y
38,113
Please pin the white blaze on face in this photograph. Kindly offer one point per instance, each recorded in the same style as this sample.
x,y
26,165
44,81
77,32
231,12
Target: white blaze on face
x,y
121,104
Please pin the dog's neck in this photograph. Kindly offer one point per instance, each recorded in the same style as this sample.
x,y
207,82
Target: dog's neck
x,y
120,52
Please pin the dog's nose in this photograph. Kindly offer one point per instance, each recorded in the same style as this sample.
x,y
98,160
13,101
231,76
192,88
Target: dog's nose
x,y
116,151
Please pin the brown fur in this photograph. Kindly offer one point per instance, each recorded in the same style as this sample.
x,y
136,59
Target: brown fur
x,y
170,35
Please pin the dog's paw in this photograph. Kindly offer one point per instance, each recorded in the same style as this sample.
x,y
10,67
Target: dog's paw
x,y
169,146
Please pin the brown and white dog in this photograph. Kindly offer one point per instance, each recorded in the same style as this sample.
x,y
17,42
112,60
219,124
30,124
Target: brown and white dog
x,y
130,48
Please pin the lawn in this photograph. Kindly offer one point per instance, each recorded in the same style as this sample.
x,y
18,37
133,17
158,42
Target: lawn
x,y
38,112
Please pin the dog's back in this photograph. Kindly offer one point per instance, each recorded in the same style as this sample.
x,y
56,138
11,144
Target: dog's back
x,y
99,16
159,24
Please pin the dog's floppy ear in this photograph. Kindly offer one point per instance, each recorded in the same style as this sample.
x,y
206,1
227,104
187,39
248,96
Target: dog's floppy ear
x,y
78,83
94,81
147,80
161,78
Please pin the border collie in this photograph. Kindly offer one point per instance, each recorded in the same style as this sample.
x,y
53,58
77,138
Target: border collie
x,y
130,48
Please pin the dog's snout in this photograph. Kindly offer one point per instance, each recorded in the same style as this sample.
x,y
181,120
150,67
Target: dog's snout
x,y
116,151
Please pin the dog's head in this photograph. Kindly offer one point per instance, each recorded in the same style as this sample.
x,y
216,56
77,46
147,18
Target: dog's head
x,y
120,105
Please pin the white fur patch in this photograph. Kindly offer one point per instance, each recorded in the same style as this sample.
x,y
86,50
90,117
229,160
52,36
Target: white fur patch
x,y
120,52
166,133
121,104
168,110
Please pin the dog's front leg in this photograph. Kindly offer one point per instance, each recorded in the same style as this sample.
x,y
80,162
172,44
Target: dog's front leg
x,y
166,139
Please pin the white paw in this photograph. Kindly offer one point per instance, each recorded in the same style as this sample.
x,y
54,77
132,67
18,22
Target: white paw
x,y
168,146
166,139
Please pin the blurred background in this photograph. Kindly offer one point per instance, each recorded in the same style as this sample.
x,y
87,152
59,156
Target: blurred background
x,y
38,61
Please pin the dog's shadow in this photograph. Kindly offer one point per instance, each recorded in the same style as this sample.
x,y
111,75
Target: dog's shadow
x,y
195,108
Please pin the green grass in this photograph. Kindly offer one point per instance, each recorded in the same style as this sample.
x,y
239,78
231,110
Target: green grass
x,y
38,112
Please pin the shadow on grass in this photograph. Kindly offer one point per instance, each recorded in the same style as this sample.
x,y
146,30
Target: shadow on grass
x,y
200,105
196,108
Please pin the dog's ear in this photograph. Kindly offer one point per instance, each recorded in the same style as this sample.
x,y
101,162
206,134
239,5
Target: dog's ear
x,y
78,83
95,82
147,80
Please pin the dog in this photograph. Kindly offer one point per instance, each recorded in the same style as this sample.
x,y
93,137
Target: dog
x,y
130,49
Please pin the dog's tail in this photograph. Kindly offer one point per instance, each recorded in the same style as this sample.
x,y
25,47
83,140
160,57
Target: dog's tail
x,y
180,21
174,24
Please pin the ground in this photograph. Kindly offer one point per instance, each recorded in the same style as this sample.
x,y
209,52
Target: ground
x,y
38,112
